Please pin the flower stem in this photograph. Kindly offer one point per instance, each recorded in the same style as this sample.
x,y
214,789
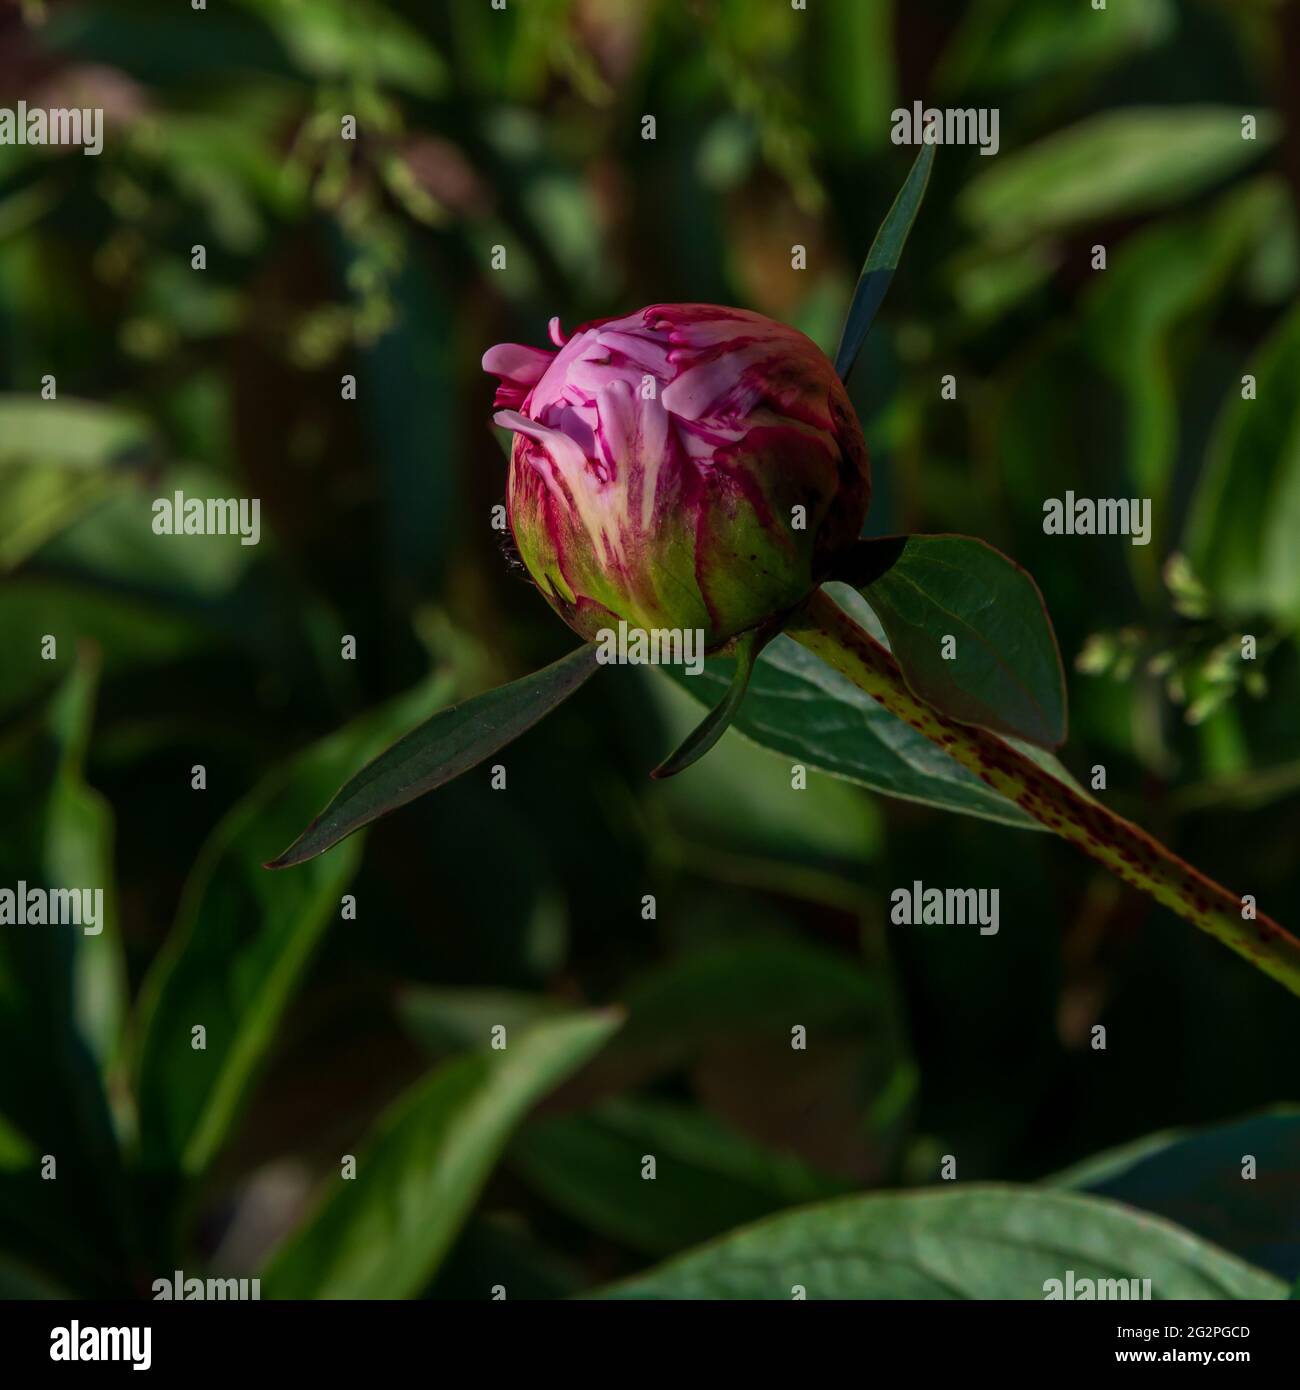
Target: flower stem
x,y
1125,849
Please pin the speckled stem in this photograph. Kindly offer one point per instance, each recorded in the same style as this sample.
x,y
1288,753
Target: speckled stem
x,y
1125,849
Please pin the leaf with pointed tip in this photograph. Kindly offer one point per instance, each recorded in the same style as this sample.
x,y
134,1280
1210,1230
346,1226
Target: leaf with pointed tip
x,y
241,942
1003,669
882,260
384,1234
1194,1177
714,724
1241,532
443,747
63,994
1113,165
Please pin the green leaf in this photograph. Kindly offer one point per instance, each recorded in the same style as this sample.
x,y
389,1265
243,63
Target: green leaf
x,y
852,54
1005,670
708,1179
450,743
799,707
241,941
355,40
710,729
383,1233
973,1242
1111,165
79,435
58,833
751,986
1194,1177
462,1020
58,459
173,571
228,163
1245,516
988,282
726,1008
882,260
722,1014
740,823
1003,43
61,1004
79,850
1138,315
708,994
497,1248
129,632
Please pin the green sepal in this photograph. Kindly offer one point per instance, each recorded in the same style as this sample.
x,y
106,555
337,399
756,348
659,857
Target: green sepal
x,y
710,729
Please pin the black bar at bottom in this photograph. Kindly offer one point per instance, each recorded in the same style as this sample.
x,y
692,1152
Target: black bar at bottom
x,y
341,1338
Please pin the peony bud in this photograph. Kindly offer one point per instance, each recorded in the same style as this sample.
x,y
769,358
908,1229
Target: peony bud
x,y
688,467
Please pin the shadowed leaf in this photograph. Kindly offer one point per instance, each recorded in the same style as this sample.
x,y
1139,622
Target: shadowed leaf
x,y
709,1177
241,941
1003,668
383,1233
1241,531
716,723
450,743
1195,1177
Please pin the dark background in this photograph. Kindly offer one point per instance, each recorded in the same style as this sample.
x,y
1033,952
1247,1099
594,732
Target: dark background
x,y
326,257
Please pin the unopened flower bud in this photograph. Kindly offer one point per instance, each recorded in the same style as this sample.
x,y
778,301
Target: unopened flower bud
x,y
688,467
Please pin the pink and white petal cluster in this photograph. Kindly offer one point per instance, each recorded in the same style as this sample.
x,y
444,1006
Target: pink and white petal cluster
x,y
686,465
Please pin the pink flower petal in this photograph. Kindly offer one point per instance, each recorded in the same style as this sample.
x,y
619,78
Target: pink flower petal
x,y
564,452
634,441
592,377
517,364
718,386
641,350
520,369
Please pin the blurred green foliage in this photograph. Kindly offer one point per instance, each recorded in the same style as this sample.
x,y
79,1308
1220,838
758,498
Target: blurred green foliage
x,y
522,128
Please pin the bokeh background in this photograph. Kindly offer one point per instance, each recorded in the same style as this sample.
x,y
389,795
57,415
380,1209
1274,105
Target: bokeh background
x,y
523,129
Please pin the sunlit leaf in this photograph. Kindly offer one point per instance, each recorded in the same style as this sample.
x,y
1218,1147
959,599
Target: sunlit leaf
x,y
798,706
1111,165
58,459
973,1242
